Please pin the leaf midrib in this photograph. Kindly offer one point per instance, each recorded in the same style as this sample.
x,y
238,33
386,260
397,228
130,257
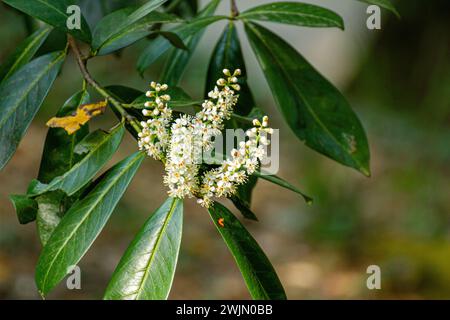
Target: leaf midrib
x,y
30,87
125,31
25,52
248,15
155,249
87,215
60,179
310,109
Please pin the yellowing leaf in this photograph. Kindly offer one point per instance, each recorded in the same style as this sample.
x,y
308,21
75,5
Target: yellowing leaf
x,y
82,115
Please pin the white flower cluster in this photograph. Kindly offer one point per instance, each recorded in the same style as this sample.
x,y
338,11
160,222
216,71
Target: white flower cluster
x,y
154,137
181,144
223,181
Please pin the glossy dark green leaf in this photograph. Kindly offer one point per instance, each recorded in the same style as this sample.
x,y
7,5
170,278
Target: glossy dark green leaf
x,y
97,147
21,95
178,60
228,55
386,4
243,198
147,268
81,225
174,39
24,52
257,271
111,35
296,13
58,157
26,208
178,98
160,45
277,180
51,208
53,12
142,11
314,109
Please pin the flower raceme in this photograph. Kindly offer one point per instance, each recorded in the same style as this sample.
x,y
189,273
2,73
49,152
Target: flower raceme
x,y
180,143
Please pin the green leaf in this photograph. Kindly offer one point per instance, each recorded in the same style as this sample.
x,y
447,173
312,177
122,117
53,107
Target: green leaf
x,y
53,12
58,158
277,180
25,207
228,55
144,10
81,225
386,4
160,45
21,95
109,35
243,198
173,38
178,98
178,60
147,268
24,52
257,271
313,108
300,14
51,208
99,147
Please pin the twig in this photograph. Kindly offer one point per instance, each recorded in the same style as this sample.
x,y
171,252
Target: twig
x,y
234,9
82,64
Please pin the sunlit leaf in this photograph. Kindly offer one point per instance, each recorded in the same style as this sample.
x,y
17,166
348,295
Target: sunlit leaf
x,y
23,53
81,225
21,95
296,13
147,268
386,4
111,35
97,147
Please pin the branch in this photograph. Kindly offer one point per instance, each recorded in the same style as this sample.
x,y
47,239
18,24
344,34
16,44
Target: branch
x,y
82,64
234,9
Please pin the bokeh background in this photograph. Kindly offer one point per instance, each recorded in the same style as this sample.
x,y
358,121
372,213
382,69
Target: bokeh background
x,y
397,80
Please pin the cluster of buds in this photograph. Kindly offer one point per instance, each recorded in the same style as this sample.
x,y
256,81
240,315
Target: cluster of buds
x,y
154,137
181,143
223,181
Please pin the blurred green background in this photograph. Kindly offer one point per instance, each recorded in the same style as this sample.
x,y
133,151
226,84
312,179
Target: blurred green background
x,y
397,80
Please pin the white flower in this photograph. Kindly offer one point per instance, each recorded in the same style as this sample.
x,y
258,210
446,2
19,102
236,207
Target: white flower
x,y
180,143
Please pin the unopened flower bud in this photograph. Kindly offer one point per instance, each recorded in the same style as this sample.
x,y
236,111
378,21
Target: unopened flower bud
x,y
256,123
148,94
227,72
236,87
164,87
221,82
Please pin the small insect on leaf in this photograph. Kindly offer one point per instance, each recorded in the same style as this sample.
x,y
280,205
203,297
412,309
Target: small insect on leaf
x,y
82,115
221,222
